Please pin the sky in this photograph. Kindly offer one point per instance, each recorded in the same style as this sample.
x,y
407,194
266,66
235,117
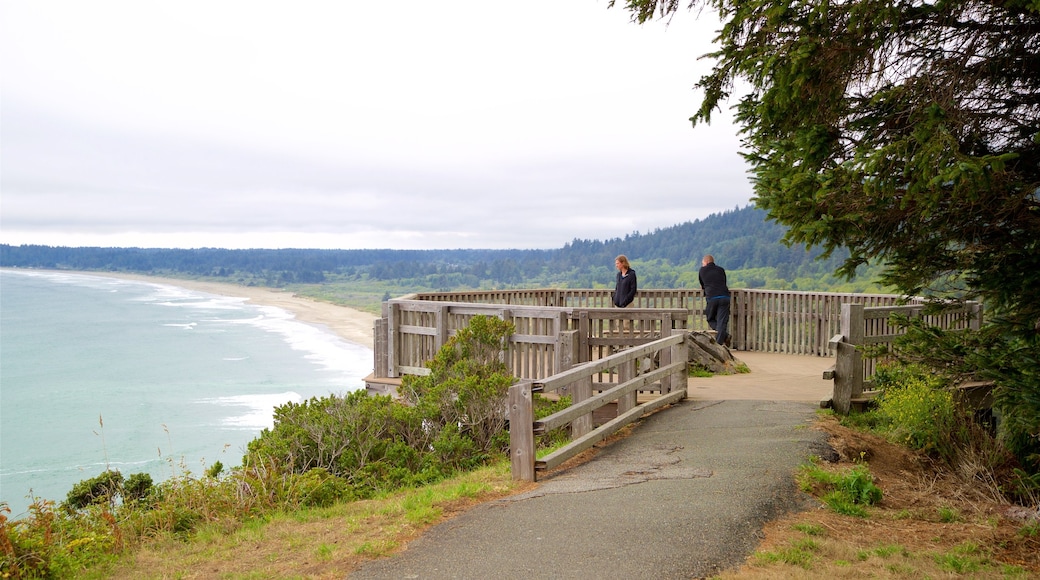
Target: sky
x,y
346,124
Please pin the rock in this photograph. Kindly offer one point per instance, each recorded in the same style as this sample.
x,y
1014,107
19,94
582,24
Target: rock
x,y
706,353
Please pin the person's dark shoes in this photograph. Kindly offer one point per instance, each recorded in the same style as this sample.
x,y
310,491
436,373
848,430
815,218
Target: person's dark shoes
x,y
729,341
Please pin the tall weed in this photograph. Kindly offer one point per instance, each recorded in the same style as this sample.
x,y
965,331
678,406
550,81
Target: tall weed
x,y
918,409
917,414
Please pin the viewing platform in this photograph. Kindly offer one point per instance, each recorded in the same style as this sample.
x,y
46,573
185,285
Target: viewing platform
x,y
558,329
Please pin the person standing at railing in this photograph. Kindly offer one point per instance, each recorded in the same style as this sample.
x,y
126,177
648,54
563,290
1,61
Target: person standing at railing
x,y
716,294
625,287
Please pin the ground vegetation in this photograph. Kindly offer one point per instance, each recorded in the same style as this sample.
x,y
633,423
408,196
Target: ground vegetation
x,y
320,453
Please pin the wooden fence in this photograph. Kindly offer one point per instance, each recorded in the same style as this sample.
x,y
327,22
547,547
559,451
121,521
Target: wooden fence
x,y
414,327
866,326
547,339
658,366
560,328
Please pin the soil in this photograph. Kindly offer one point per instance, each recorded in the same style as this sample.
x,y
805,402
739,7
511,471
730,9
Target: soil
x,y
926,510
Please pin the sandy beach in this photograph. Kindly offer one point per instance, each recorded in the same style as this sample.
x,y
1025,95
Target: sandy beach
x,y
350,324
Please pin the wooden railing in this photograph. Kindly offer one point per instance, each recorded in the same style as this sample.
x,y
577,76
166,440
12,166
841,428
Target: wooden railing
x,y
658,367
414,327
547,339
866,326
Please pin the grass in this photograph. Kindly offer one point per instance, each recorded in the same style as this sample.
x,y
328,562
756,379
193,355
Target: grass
x,y
313,543
923,524
927,523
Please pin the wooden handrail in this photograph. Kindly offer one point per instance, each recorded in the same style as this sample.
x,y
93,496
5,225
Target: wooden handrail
x,y
561,328
782,321
671,374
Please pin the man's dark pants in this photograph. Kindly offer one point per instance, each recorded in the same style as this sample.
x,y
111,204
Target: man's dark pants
x,y
717,313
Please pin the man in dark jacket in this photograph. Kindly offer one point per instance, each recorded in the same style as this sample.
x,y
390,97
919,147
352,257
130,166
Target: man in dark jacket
x,y
716,292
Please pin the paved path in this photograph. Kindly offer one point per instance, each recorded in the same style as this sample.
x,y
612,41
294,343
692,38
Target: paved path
x,y
684,496
773,377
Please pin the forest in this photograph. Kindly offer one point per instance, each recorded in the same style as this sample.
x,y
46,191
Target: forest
x,y
743,241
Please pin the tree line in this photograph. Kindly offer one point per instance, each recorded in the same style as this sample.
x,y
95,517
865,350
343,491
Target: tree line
x,y
741,238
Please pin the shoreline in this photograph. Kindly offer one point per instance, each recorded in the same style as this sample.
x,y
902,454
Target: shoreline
x,y
348,323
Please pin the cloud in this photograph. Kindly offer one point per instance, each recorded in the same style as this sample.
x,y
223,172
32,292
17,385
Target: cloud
x,y
346,124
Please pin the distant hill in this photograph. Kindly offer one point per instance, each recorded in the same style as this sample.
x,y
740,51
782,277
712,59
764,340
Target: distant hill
x,y
741,239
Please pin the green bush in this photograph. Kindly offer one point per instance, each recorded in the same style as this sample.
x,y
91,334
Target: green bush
x,y
138,486
917,409
916,413
1003,351
451,419
319,488
338,434
105,488
468,383
55,544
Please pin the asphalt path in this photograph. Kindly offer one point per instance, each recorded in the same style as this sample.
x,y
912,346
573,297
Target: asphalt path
x,y
684,496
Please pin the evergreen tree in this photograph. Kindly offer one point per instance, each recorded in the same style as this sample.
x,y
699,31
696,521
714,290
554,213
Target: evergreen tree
x,y
909,133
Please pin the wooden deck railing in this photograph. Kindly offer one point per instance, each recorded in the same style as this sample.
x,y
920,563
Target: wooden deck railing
x,y
414,327
659,366
548,339
864,326
560,328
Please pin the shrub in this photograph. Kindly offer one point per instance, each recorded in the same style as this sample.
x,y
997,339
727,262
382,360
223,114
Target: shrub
x,y
452,419
468,383
104,488
916,413
338,434
137,487
319,488
916,409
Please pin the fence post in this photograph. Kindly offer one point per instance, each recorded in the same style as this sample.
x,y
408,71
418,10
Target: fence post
x,y
626,372
664,358
976,316
521,431
848,363
679,352
392,339
844,370
508,356
736,324
564,347
379,332
584,350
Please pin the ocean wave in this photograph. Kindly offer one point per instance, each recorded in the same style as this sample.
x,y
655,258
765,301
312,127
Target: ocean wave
x,y
185,326
258,409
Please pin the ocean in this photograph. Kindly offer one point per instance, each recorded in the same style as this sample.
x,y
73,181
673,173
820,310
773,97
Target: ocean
x,y
98,372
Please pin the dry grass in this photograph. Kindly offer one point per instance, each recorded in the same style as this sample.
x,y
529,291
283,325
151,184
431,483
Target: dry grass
x,y
930,523
325,543
316,543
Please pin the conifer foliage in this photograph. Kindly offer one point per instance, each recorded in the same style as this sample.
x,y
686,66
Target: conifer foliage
x,y
907,132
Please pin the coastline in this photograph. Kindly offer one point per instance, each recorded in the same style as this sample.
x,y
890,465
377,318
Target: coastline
x,y
348,323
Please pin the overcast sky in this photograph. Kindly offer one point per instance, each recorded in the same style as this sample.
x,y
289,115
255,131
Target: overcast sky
x,y
350,124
